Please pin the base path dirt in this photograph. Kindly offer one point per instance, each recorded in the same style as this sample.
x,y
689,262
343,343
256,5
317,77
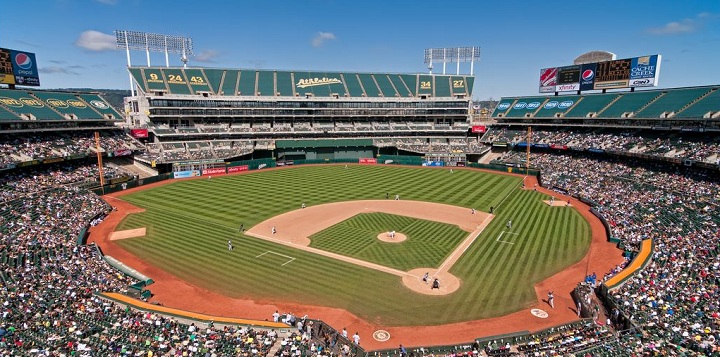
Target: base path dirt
x,y
130,233
172,291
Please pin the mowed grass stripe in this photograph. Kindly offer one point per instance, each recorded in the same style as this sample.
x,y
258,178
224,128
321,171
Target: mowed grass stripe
x,y
189,223
427,244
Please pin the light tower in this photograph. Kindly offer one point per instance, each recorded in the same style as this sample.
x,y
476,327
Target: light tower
x,y
153,42
452,55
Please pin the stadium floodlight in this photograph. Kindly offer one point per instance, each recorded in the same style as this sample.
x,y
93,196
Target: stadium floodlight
x,y
153,42
452,55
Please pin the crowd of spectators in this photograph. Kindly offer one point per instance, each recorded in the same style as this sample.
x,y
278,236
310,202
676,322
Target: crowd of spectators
x,y
674,300
16,183
705,148
49,285
38,146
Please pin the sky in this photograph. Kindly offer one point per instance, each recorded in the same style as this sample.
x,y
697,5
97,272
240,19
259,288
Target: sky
x,y
74,40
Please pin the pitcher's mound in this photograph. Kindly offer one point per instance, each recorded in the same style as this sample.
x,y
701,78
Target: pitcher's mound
x,y
130,233
448,282
385,237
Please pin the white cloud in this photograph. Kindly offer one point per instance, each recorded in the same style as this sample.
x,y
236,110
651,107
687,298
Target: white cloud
x,y
207,56
107,2
322,37
56,69
96,41
683,26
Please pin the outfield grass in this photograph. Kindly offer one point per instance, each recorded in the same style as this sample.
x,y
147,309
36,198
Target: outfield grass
x,y
428,243
189,223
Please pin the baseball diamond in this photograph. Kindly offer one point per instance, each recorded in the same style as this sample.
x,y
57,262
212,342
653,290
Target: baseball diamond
x,y
194,218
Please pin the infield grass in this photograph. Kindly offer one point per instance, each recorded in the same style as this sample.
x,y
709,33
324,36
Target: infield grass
x,y
189,222
427,244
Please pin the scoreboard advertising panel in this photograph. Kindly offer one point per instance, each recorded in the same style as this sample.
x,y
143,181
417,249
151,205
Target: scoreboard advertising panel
x,y
18,67
623,73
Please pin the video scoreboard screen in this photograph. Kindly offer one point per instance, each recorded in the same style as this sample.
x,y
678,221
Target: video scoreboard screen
x,y
18,67
623,73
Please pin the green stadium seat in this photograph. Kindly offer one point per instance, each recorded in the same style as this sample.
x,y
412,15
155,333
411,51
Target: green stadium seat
x,y
528,106
215,78
266,83
386,86
68,104
672,101
101,105
707,104
230,82
197,80
630,102
24,103
442,87
369,85
556,105
411,81
284,83
247,84
176,81
400,85
426,87
154,80
592,103
137,75
353,85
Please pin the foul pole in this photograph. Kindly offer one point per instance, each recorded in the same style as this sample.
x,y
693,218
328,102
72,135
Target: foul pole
x,y
100,164
527,151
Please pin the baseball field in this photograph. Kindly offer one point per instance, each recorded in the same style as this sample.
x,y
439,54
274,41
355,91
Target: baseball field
x,y
189,223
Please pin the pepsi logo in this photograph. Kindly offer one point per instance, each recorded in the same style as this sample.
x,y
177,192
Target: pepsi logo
x,y
23,61
533,105
551,104
588,74
520,105
565,104
503,106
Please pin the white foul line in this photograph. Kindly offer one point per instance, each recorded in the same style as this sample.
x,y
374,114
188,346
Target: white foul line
x,y
502,241
283,255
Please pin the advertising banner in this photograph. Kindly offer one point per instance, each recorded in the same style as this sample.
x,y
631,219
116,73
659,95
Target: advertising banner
x,y
433,163
186,174
18,67
548,80
587,76
240,168
568,79
122,152
644,71
214,171
367,161
479,128
139,133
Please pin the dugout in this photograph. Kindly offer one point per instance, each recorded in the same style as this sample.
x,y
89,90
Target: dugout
x,y
324,149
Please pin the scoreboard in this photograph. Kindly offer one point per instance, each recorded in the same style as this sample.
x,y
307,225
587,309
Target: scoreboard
x,y
623,73
18,67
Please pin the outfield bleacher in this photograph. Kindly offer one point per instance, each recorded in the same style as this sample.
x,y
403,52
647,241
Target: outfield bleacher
x,y
671,101
592,103
705,106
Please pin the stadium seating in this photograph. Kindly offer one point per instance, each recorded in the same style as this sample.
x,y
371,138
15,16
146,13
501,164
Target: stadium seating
x,y
671,101
591,104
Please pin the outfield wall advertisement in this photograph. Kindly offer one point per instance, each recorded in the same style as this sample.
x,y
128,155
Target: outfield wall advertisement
x,y
623,73
240,168
186,174
214,171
